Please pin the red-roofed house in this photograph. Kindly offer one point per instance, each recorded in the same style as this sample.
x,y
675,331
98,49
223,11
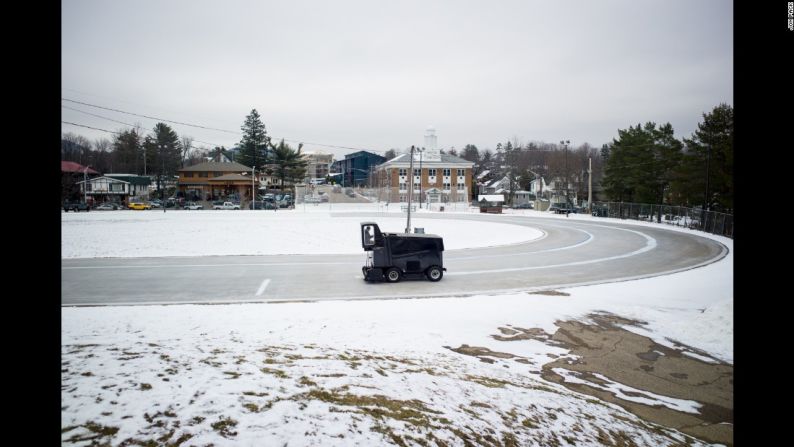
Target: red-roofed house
x,y
71,173
72,167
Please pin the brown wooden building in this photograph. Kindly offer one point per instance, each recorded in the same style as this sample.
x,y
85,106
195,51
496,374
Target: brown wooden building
x,y
216,181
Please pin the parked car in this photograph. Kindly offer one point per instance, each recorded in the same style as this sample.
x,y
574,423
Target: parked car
x,y
193,206
349,192
226,206
524,206
263,205
324,198
139,206
600,211
561,208
107,207
76,206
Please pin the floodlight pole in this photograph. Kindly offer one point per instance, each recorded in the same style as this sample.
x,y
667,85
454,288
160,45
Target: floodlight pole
x,y
421,151
410,191
590,187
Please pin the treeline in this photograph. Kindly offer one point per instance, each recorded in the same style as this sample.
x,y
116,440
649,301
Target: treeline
x,y
647,164
644,164
161,152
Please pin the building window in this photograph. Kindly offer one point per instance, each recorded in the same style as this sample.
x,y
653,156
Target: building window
x,y
403,186
402,198
461,187
416,172
447,172
432,172
403,172
217,174
203,174
460,173
188,174
447,186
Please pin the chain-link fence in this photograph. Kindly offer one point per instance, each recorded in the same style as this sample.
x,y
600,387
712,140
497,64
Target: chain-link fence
x,y
694,218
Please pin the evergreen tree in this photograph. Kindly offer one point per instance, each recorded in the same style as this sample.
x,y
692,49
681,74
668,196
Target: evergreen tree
x,y
391,153
255,142
470,153
641,163
163,153
290,165
127,152
709,150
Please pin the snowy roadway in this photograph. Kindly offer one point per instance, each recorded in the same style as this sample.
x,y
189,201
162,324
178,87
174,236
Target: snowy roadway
x,y
568,252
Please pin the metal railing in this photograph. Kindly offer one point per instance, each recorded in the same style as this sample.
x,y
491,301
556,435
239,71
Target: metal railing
x,y
695,218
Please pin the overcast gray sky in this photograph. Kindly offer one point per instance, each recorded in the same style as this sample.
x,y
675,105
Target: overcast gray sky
x,y
373,74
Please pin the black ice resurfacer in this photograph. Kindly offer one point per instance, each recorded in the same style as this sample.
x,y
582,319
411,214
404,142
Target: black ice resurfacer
x,y
393,256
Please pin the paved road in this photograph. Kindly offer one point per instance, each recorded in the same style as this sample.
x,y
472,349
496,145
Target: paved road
x,y
571,252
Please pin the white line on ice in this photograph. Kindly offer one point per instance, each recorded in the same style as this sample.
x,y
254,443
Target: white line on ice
x,y
650,244
262,287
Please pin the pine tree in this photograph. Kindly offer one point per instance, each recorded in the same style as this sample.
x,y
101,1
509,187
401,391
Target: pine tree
x,y
127,152
709,150
641,163
163,153
255,142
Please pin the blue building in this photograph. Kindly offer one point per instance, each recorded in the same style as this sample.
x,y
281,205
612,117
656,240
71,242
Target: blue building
x,y
356,167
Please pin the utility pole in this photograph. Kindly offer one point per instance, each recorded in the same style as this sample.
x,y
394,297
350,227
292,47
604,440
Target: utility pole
x,y
590,186
706,201
253,188
85,185
565,144
410,191
162,172
421,151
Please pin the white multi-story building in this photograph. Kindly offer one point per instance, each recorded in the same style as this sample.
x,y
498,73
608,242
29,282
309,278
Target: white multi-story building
x,y
433,170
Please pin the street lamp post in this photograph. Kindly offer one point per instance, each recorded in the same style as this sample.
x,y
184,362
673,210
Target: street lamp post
x,y
162,172
565,144
421,151
410,191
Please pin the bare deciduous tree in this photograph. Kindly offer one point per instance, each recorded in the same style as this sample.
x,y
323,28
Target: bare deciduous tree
x,y
186,146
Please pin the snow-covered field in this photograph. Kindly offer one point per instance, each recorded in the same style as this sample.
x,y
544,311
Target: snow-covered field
x,y
217,233
362,372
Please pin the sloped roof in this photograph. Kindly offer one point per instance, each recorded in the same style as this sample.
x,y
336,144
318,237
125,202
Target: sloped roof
x,y
491,198
70,166
445,160
140,180
214,166
96,179
231,177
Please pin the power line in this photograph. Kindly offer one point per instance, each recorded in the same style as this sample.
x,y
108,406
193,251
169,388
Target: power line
x,y
114,132
126,124
151,117
220,130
